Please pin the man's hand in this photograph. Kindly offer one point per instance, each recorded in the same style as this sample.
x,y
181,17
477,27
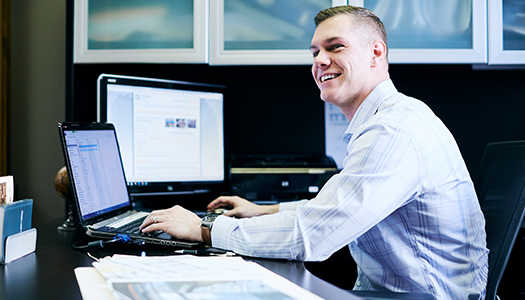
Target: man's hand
x,y
241,208
184,224
176,221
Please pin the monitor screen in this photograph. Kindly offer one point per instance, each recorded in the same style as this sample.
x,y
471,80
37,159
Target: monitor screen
x,y
170,133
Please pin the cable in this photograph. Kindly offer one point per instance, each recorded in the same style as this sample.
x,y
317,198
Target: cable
x,y
99,244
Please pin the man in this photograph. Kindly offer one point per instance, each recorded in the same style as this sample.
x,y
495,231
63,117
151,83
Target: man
x,y
403,203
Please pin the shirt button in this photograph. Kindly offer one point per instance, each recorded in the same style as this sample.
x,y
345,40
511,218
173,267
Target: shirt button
x,y
358,283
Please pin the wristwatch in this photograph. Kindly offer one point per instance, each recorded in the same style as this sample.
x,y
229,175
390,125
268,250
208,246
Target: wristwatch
x,y
206,225
207,220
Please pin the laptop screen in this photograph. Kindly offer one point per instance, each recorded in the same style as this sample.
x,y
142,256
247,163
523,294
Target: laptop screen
x,y
97,171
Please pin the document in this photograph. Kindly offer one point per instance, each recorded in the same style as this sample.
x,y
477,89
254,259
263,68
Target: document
x,y
186,277
6,189
174,267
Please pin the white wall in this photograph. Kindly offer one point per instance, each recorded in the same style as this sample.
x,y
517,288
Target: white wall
x,y
38,102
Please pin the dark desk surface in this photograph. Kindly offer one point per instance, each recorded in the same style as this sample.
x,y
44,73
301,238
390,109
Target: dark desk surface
x,y
49,272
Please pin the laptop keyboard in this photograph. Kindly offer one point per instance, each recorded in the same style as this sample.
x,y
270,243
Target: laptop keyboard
x,y
133,228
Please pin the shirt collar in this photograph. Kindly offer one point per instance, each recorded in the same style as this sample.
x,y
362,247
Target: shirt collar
x,y
370,106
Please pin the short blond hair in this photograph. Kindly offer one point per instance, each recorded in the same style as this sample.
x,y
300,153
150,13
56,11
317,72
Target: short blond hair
x,y
366,19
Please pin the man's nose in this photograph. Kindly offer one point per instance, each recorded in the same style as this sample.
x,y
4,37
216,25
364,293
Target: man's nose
x,y
321,59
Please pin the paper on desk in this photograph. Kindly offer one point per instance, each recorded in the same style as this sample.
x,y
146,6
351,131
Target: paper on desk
x,y
193,277
176,267
92,285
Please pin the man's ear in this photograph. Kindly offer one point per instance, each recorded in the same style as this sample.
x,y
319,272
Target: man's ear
x,y
379,52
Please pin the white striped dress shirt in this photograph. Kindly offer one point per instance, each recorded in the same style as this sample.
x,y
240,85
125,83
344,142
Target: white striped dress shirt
x,y
404,203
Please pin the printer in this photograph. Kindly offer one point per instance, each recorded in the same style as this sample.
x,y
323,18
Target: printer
x,y
277,178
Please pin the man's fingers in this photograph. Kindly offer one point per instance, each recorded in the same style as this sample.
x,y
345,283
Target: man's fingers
x,y
150,227
218,203
231,212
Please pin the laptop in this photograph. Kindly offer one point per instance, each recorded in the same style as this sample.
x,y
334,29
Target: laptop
x,y
98,185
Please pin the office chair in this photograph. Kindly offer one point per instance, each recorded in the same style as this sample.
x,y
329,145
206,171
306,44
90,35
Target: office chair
x,y
500,187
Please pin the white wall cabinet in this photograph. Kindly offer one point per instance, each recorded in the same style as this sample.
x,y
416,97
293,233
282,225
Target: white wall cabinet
x,y
443,31
257,32
160,31
506,32
271,32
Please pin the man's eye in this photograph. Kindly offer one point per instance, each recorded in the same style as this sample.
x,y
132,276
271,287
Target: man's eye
x,y
315,53
337,46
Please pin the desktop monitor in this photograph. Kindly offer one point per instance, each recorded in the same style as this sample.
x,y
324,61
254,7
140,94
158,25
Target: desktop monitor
x,y
170,133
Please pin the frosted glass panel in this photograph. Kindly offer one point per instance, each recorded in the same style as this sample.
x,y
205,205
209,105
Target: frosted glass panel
x,y
513,25
138,24
270,24
424,24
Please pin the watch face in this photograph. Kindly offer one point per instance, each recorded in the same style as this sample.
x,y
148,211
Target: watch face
x,y
207,221
209,218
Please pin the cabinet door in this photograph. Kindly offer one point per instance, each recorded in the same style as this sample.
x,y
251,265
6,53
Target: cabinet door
x,y
506,32
269,32
433,31
153,31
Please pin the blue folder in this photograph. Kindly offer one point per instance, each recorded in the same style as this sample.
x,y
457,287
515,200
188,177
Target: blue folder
x,y
15,217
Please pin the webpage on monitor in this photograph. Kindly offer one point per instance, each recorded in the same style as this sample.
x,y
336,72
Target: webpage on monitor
x,y
167,134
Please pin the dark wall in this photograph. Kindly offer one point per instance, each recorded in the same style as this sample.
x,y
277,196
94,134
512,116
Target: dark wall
x,y
478,107
277,109
268,109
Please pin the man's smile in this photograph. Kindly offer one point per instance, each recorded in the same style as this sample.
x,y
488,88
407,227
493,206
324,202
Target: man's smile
x,y
328,77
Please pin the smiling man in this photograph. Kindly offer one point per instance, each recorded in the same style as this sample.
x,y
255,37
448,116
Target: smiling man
x,y
404,202
348,63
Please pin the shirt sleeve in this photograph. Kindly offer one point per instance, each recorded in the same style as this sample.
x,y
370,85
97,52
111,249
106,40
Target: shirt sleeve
x,y
292,205
380,174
